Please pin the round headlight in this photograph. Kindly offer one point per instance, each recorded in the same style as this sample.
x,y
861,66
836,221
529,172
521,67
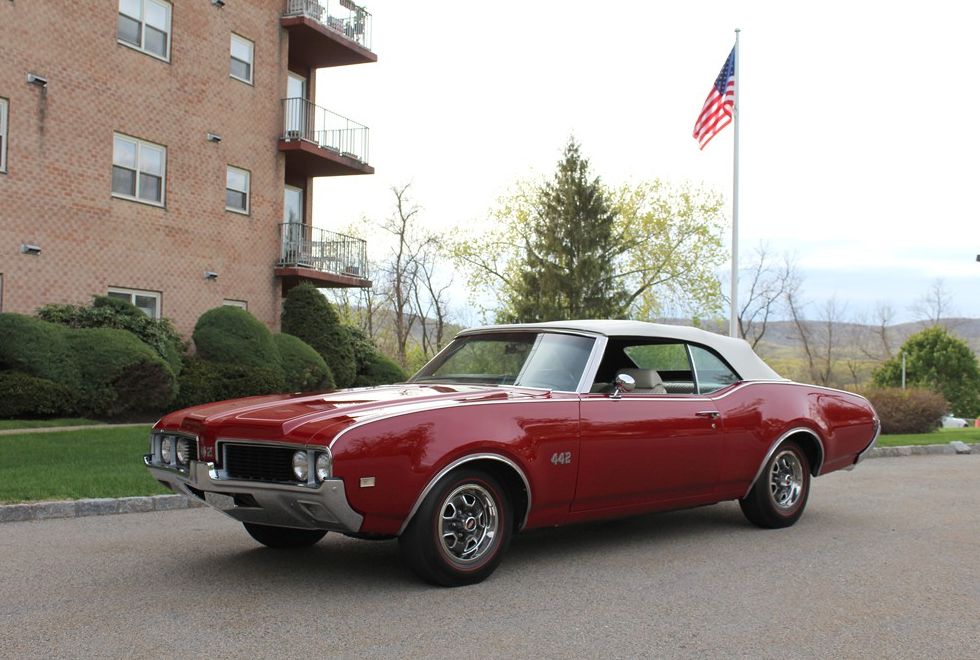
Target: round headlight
x,y
183,451
300,465
323,465
167,449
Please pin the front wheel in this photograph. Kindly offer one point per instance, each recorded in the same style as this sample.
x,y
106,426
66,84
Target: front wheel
x,y
283,537
779,495
460,533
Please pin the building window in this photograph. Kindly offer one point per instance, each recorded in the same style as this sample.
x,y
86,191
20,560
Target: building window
x,y
236,303
147,301
145,25
236,190
242,51
3,135
138,170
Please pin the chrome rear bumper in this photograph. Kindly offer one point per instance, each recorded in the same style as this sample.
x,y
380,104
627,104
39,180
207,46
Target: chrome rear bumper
x,y
874,441
324,506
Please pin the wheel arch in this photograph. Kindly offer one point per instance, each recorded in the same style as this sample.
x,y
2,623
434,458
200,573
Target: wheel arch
x,y
506,471
809,442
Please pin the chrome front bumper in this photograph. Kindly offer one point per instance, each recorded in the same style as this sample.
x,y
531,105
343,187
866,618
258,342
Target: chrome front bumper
x,y
324,506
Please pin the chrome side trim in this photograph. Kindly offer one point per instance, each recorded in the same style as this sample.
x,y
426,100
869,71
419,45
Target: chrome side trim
x,y
694,369
461,461
814,469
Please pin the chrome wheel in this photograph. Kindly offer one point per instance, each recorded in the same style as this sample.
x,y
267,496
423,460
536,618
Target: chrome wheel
x,y
786,479
468,523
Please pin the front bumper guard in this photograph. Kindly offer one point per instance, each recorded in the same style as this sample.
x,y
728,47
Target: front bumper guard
x,y
323,506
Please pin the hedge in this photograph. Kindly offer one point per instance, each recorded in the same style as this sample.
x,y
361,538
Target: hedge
x,y
912,410
119,373
106,312
304,369
22,395
307,314
230,335
378,370
202,381
37,348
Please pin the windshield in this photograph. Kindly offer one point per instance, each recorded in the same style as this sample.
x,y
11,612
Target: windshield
x,y
530,359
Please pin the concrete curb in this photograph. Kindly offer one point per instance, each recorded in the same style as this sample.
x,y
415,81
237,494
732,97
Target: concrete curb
x,y
58,429
106,506
93,507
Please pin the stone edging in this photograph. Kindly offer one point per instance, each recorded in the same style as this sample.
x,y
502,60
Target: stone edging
x,y
108,505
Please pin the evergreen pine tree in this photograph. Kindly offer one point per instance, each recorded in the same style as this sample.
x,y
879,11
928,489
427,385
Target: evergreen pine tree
x,y
571,251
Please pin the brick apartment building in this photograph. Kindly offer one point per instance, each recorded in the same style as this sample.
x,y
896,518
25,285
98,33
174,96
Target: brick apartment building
x,y
163,152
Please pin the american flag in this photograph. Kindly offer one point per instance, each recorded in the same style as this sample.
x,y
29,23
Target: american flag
x,y
719,106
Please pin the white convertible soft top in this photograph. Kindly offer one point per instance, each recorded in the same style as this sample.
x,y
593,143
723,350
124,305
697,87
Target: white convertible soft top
x,y
736,351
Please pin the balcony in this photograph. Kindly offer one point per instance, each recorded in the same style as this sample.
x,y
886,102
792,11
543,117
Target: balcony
x,y
325,258
318,142
326,33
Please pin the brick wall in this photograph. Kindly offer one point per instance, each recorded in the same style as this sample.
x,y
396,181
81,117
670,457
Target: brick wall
x,y
56,192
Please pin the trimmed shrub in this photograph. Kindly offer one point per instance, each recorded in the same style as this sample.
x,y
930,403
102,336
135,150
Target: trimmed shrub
x,y
119,373
373,368
22,395
307,314
37,348
203,382
303,368
379,370
106,312
230,335
907,411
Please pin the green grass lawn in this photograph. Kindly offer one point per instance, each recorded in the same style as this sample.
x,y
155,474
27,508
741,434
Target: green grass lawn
x,y
45,423
70,465
940,437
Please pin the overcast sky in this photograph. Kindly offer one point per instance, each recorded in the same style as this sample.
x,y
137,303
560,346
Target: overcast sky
x,y
858,151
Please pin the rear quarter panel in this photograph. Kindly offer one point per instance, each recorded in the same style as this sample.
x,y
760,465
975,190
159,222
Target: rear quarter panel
x,y
404,452
756,415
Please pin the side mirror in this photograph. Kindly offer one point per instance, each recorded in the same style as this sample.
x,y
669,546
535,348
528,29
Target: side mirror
x,y
623,383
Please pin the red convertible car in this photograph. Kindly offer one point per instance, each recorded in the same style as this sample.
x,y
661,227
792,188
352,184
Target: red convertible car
x,y
515,427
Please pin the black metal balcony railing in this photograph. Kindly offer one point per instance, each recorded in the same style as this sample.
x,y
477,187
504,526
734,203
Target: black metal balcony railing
x,y
304,120
341,16
322,250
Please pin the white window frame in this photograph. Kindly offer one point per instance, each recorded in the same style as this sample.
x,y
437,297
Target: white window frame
x,y
228,302
132,293
4,139
251,62
142,46
247,191
139,169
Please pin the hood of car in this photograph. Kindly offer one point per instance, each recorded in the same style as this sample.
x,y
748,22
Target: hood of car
x,y
319,417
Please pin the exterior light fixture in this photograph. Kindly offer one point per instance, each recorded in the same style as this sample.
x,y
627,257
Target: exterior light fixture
x,y
210,275
34,79
214,137
218,3
27,248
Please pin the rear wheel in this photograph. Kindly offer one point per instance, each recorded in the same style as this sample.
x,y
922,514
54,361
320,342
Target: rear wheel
x,y
460,533
283,537
779,495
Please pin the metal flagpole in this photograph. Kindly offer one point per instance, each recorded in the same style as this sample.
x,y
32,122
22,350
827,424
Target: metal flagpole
x,y
733,327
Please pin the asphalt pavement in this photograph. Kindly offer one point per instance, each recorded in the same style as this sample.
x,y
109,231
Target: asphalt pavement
x,y
885,563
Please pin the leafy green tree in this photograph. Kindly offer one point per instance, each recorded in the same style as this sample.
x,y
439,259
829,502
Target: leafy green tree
x,y
939,361
575,248
307,314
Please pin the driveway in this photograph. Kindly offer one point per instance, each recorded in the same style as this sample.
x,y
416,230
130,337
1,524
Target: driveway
x,y
884,563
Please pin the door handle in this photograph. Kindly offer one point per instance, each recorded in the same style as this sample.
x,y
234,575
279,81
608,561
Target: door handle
x,y
713,414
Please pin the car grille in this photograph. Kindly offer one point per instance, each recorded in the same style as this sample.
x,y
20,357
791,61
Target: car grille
x,y
259,463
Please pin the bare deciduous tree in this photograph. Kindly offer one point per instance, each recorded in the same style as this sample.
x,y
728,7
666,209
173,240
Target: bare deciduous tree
x,y
769,285
935,305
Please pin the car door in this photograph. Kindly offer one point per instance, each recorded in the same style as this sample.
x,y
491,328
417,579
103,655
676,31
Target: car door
x,y
646,447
